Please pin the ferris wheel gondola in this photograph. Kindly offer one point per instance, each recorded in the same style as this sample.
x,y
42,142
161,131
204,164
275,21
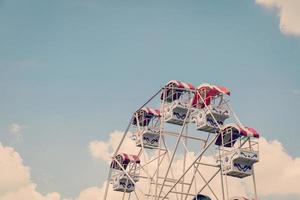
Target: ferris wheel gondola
x,y
176,96
147,134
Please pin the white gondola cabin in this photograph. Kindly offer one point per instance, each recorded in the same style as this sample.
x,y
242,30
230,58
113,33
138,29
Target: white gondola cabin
x,y
237,162
237,168
205,122
147,135
124,163
244,156
177,97
123,184
211,110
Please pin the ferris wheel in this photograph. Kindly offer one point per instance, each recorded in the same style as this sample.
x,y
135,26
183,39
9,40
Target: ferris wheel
x,y
189,145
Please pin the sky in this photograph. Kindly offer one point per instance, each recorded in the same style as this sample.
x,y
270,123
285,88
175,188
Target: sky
x,y
73,71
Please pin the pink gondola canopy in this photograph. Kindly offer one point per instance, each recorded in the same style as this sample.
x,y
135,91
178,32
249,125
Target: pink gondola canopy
x,y
205,92
124,159
144,116
174,89
237,131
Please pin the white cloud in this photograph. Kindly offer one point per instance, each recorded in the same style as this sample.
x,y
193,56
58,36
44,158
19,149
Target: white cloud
x,y
15,128
92,193
15,183
288,12
104,149
99,149
96,193
13,173
277,173
29,192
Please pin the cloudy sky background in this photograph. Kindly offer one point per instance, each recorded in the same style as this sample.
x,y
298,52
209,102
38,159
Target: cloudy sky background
x,y
73,71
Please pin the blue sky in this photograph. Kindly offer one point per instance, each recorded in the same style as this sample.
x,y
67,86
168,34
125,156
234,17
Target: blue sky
x,y
74,71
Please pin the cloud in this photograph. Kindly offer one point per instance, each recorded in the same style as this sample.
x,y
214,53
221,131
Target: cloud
x,y
104,149
92,193
15,183
277,173
16,129
288,12
29,192
99,149
96,193
13,173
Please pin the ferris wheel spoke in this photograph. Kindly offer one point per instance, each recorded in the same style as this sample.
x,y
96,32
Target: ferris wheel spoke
x,y
200,155
197,165
168,157
212,177
146,160
176,146
207,184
